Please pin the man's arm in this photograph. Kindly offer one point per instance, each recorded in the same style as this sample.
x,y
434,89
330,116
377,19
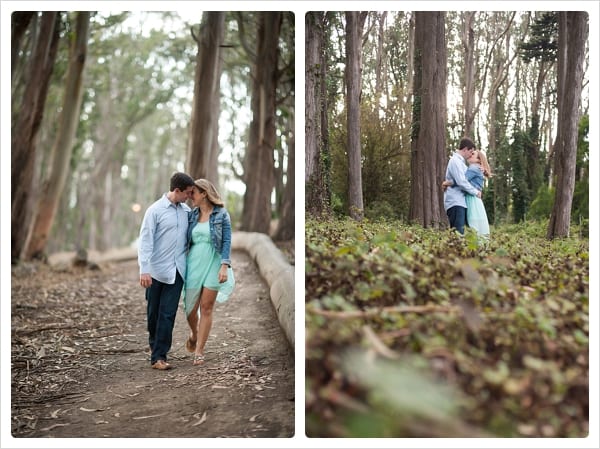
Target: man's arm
x,y
145,248
457,173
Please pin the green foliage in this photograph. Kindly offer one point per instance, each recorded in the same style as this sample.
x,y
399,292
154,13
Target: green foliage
x,y
543,42
520,190
580,209
380,210
541,206
498,330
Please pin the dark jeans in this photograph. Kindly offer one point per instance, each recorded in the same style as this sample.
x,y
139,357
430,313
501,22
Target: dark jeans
x,y
457,216
162,302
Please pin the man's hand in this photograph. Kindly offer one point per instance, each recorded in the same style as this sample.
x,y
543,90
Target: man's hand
x,y
447,184
145,280
479,194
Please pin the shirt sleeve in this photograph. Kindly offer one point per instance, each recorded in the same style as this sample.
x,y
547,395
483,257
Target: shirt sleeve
x,y
146,241
458,174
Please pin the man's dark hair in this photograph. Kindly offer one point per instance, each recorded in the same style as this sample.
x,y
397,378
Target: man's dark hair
x,y
181,181
466,143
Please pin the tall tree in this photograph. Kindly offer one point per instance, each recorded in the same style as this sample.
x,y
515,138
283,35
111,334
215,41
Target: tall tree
x,y
572,37
113,124
26,127
316,199
286,226
20,21
354,26
428,144
259,159
468,43
203,142
62,149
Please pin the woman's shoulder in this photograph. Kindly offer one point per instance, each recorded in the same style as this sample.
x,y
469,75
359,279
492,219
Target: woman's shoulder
x,y
219,209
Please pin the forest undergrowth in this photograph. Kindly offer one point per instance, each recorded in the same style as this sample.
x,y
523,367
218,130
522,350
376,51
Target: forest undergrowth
x,y
414,332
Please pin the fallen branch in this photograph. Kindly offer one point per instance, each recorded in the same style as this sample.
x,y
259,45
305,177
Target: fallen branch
x,y
149,416
343,315
23,332
378,345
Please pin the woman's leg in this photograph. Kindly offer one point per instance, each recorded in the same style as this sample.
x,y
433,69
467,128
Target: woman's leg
x,y
192,320
207,304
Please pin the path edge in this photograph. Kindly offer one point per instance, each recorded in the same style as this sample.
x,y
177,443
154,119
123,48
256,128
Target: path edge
x,y
276,271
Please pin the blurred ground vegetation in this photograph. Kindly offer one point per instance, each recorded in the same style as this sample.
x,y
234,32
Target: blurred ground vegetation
x,y
414,332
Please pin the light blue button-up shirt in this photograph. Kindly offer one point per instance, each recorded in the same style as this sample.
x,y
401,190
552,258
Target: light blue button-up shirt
x,y
456,172
163,239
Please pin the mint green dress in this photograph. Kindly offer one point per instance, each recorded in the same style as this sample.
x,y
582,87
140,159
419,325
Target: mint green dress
x,y
203,265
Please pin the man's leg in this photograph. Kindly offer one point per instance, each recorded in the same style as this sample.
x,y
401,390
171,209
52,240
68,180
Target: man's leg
x,y
169,302
153,294
457,216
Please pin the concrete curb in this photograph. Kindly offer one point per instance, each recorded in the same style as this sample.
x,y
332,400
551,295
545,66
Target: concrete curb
x,y
276,271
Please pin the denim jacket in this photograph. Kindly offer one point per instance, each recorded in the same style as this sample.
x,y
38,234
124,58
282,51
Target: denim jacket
x,y
475,176
220,231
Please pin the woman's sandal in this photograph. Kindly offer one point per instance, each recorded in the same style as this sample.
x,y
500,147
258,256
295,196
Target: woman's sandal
x,y
198,360
190,345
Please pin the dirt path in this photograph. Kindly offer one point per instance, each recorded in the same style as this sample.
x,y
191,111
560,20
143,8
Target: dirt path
x,y
80,367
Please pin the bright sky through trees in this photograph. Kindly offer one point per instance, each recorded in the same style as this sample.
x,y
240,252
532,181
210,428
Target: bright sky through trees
x,y
235,112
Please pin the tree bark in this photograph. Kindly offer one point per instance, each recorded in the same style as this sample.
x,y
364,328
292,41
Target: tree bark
x,y
203,142
354,26
259,163
468,42
27,124
573,32
429,120
316,198
20,21
287,221
62,149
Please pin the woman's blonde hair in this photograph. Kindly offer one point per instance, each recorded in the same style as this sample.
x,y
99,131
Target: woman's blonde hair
x,y
487,171
212,195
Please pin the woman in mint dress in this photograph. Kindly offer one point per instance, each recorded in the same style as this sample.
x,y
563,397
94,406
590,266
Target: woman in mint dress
x,y
209,277
476,172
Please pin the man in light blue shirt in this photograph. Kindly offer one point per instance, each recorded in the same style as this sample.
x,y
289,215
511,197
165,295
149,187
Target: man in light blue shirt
x,y
162,261
454,196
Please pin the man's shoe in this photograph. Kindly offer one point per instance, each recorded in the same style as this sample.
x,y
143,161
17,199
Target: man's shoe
x,y
161,365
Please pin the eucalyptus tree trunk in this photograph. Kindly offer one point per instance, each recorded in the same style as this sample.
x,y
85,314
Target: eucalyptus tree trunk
x,y
428,147
286,226
410,83
498,64
25,129
468,43
381,70
316,198
572,37
203,142
20,21
354,25
326,98
62,149
258,164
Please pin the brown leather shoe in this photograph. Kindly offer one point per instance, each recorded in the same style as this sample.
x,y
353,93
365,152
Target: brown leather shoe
x,y
161,365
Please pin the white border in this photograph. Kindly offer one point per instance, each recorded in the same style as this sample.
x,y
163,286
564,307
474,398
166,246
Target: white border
x,y
299,440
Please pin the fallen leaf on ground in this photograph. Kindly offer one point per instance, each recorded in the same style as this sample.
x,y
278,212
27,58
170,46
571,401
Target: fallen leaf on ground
x,y
201,420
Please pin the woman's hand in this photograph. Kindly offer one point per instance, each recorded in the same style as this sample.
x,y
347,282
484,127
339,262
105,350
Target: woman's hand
x,y
447,184
223,273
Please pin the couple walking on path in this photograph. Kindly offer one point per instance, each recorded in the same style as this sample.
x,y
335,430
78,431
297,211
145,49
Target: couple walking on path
x,y
463,187
184,249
